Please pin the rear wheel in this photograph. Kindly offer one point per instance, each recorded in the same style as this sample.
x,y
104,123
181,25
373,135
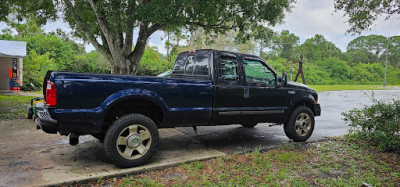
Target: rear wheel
x,y
300,125
131,140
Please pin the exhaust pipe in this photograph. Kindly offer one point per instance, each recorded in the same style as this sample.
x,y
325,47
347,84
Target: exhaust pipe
x,y
73,139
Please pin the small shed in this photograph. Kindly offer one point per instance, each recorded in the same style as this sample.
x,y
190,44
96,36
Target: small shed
x,y
11,55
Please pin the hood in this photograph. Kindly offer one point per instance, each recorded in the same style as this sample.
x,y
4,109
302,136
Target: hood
x,y
296,85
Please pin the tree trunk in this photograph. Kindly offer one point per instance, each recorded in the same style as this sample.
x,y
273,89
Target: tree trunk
x,y
168,46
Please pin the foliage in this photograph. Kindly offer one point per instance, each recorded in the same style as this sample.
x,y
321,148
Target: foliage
x,y
318,48
370,47
109,25
199,39
362,14
334,71
53,51
152,63
379,123
35,68
259,35
284,43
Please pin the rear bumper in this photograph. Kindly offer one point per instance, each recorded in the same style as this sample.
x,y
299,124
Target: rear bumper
x,y
317,110
44,120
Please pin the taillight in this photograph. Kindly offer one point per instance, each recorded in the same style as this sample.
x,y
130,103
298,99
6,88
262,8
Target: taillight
x,y
51,94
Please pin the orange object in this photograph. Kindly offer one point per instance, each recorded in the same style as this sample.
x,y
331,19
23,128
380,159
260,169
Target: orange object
x,y
10,73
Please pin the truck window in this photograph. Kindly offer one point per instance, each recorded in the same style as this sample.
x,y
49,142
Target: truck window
x,y
179,66
257,73
229,68
201,66
192,65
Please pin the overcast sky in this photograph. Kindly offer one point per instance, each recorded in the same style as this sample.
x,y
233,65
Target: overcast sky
x,y
308,17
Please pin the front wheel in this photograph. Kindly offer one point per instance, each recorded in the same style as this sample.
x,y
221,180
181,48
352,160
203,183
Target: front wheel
x,y
131,140
300,124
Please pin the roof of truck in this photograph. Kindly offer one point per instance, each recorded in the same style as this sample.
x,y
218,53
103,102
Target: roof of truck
x,y
222,51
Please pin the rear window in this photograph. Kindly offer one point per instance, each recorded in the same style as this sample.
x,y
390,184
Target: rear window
x,y
192,64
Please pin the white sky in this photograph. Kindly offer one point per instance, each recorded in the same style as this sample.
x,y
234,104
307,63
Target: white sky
x,y
309,17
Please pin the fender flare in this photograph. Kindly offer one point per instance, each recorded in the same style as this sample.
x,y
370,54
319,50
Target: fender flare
x,y
132,94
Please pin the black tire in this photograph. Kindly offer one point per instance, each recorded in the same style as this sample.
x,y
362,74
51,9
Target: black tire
x,y
300,124
130,143
29,113
248,125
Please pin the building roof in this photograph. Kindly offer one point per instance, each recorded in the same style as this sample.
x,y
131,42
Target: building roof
x,y
12,48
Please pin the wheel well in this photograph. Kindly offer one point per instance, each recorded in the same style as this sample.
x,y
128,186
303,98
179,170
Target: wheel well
x,y
139,106
308,104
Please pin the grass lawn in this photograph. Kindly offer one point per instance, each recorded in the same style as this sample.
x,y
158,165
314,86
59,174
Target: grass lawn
x,y
320,88
337,162
37,92
13,107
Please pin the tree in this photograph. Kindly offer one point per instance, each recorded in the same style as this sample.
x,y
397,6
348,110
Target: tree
x,y
228,41
367,49
318,48
393,53
363,13
261,35
284,43
109,25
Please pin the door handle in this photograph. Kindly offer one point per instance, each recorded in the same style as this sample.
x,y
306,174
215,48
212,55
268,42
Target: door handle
x,y
246,93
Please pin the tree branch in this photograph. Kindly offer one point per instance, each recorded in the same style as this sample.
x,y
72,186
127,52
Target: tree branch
x,y
102,21
101,48
129,30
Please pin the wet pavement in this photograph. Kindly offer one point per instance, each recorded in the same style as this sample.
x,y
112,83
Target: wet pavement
x,y
31,158
235,138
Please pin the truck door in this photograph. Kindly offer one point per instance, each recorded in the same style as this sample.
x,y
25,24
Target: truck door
x,y
228,90
263,101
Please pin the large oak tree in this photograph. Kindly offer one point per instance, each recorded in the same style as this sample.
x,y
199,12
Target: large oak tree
x,y
110,25
363,13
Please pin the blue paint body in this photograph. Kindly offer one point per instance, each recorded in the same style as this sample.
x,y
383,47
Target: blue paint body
x,y
84,100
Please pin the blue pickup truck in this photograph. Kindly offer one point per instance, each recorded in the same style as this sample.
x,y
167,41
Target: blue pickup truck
x,y
204,88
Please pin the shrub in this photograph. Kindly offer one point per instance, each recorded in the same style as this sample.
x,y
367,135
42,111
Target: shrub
x,y
379,124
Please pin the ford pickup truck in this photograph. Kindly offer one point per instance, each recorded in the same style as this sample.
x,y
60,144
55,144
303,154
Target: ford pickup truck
x,y
204,88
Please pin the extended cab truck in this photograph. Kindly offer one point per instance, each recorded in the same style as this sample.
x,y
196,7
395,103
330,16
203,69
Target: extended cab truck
x,y
206,87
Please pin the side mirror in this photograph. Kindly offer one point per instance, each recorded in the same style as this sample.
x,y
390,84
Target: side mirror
x,y
284,79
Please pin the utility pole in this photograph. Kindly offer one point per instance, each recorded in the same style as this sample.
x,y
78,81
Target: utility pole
x,y
387,52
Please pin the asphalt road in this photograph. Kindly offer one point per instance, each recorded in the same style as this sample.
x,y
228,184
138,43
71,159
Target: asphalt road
x,y
235,138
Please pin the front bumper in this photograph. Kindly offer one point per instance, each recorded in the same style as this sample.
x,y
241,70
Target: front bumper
x,y
317,110
44,120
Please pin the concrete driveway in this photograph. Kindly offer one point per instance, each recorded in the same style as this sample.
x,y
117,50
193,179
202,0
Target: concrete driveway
x,y
32,158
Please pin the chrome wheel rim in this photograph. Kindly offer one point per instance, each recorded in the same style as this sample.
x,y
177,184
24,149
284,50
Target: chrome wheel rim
x,y
303,124
134,141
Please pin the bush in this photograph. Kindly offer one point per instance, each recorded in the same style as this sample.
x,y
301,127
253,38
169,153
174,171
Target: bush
x,y
379,124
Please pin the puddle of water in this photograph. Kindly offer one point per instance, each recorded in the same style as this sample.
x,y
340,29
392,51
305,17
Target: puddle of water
x,y
19,163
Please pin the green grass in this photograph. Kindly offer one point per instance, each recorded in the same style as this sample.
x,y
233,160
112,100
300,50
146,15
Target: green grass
x,y
13,107
338,162
321,88
37,92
